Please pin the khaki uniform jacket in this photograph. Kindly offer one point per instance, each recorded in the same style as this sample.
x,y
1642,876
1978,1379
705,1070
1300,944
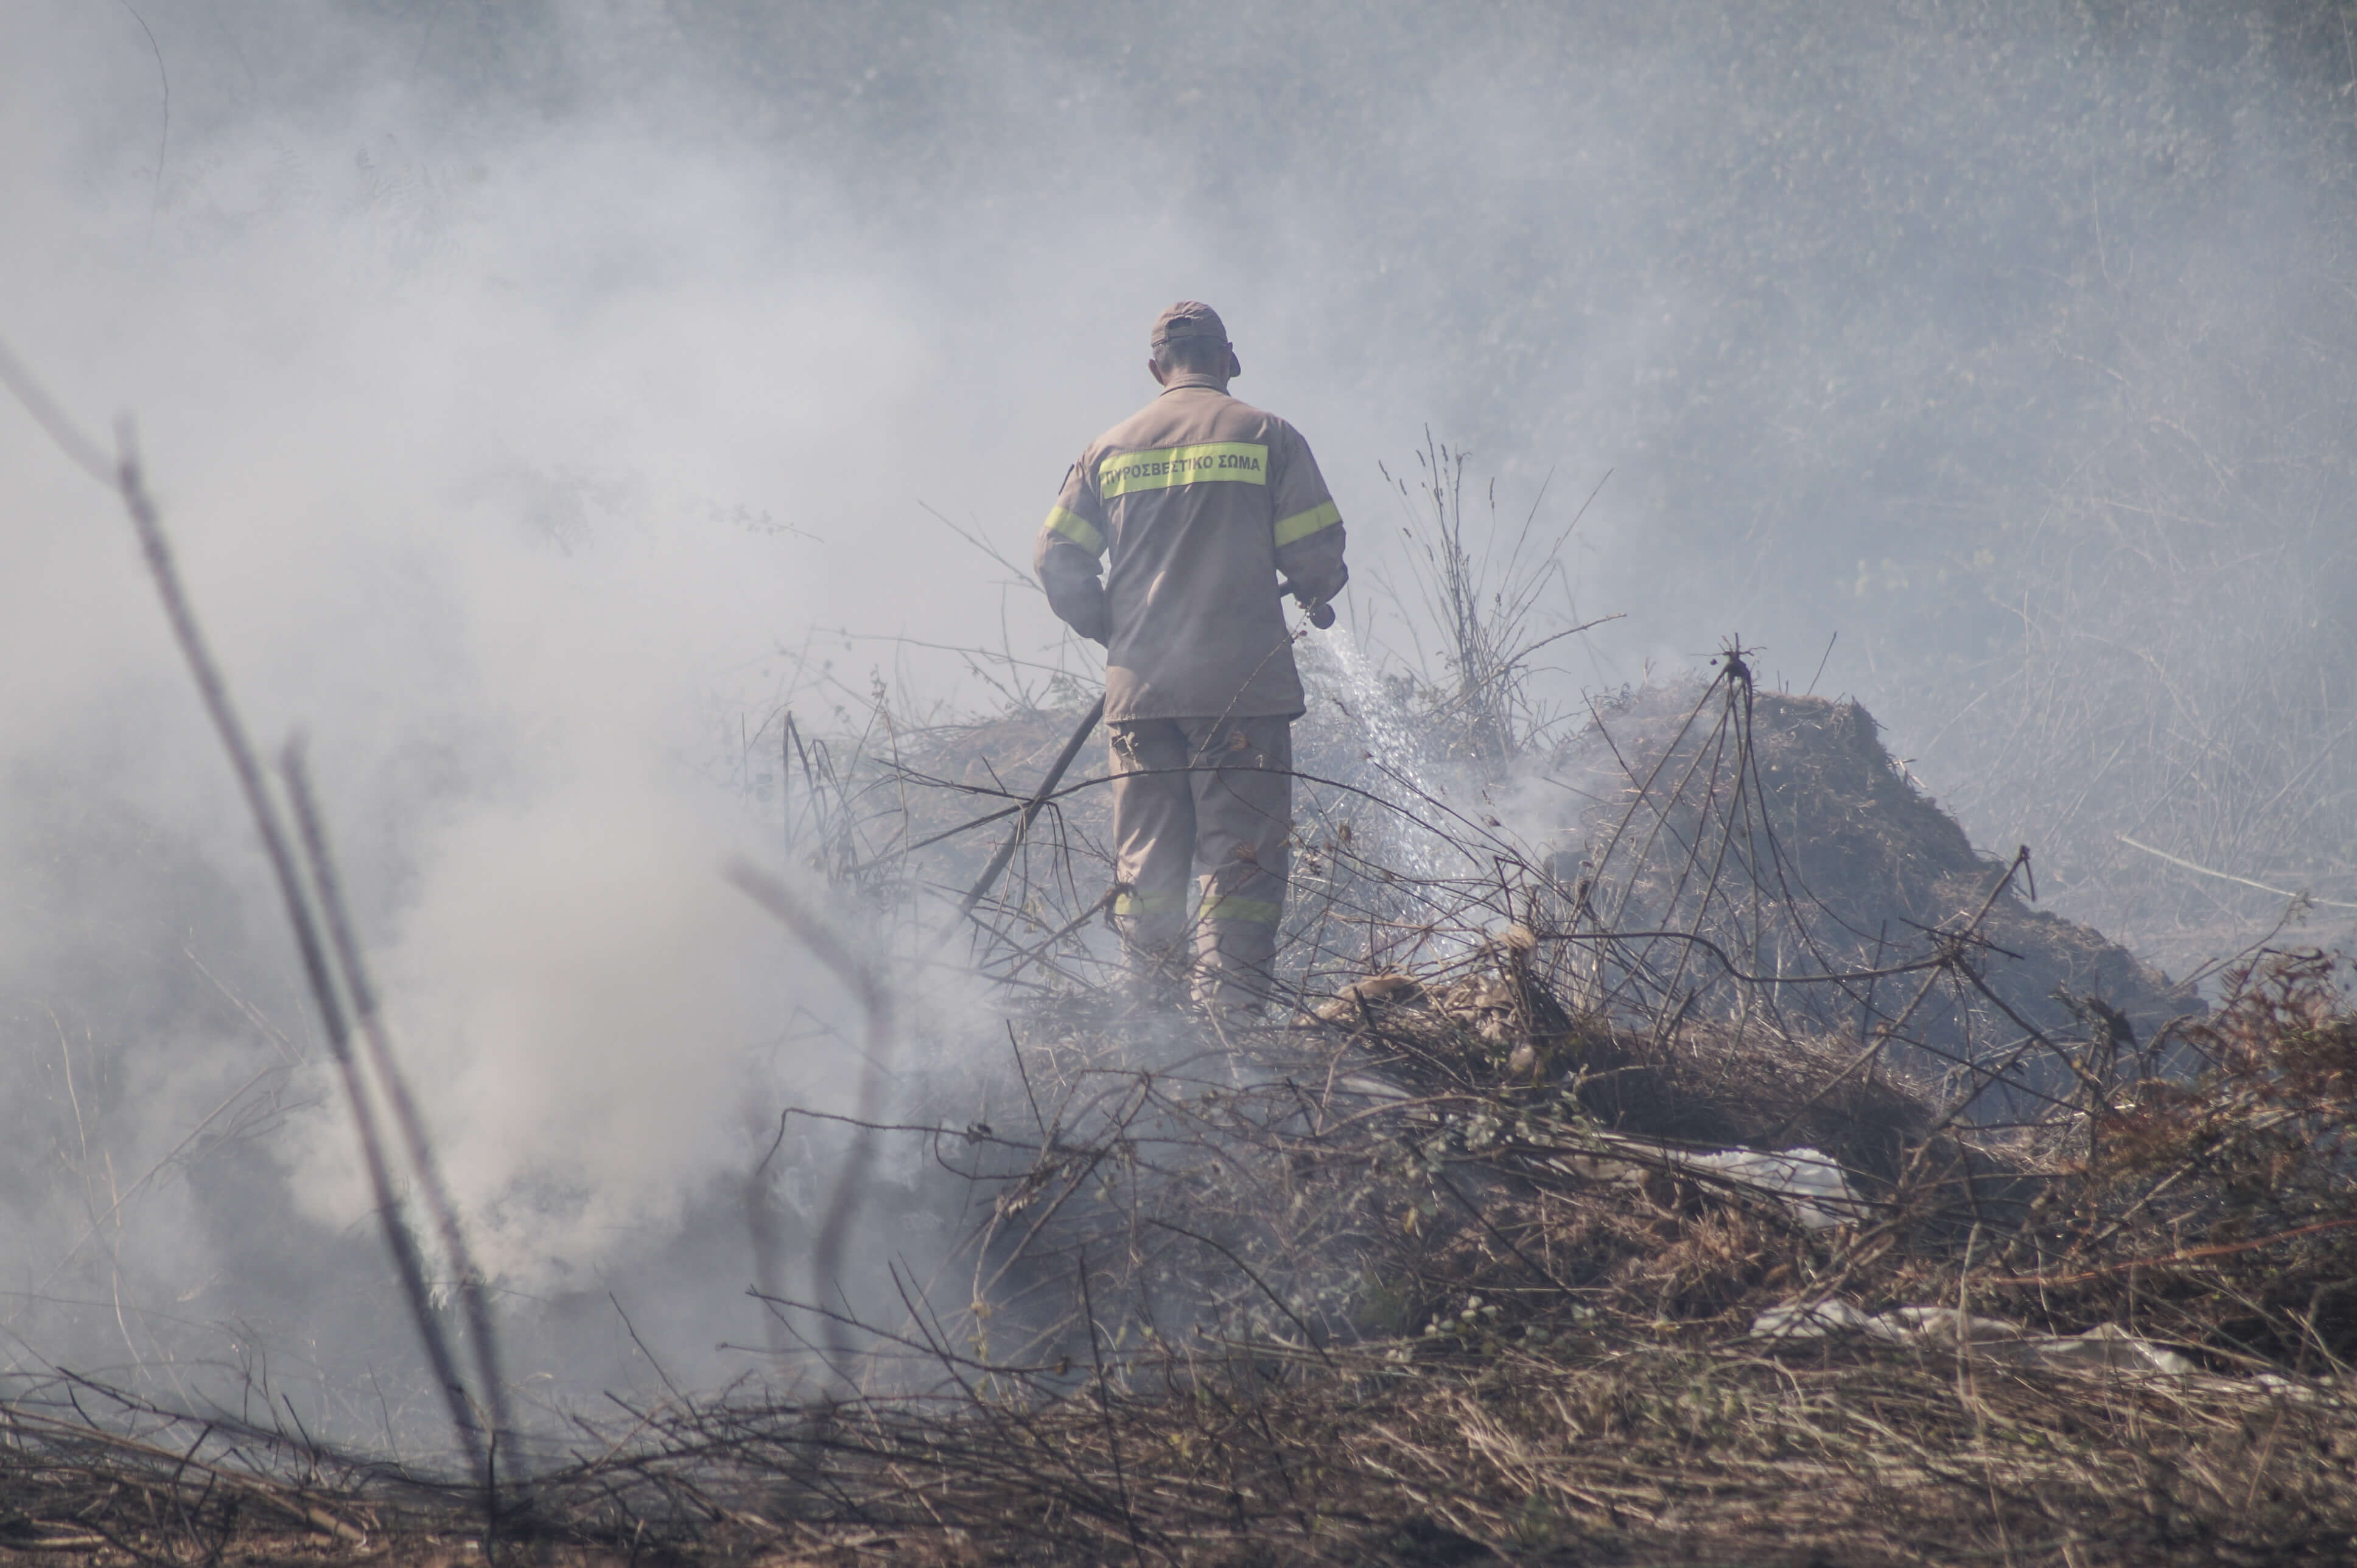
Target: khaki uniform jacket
x,y
1203,502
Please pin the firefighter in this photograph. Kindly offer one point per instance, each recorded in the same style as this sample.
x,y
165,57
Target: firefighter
x,y
1202,503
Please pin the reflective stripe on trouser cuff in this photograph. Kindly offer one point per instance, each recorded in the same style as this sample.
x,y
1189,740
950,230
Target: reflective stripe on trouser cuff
x,y
1077,529
1144,904
1302,524
1228,907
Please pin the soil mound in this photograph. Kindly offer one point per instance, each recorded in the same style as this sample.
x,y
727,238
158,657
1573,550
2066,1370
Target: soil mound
x,y
1780,830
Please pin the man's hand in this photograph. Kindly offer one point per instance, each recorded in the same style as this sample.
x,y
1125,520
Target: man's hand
x,y
1321,613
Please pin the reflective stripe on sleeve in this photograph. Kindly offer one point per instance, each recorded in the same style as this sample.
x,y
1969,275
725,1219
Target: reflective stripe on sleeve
x,y
1241,462
1302,524
1228,907
1077,529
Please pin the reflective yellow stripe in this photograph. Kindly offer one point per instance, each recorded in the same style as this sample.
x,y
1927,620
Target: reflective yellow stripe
x,y
1302,524
1245,462
1147,903
1228,907
1077,529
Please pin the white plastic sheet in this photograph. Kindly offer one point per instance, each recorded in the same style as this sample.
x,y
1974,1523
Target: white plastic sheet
x,y
2105,1347
1808,1182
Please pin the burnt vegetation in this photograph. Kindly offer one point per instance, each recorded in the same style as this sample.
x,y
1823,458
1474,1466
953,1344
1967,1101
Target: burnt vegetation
x,y
1727,1165
1527,1229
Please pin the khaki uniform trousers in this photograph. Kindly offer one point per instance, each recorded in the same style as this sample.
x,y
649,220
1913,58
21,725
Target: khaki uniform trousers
x,y
1211,800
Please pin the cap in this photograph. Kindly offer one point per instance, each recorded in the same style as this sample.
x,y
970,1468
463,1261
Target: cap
x,y
1187,318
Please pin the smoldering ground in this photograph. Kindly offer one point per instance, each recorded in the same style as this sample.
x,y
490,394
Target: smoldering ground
x,y
538,394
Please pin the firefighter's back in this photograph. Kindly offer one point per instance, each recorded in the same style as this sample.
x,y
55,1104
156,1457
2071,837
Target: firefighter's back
x,y
1191,485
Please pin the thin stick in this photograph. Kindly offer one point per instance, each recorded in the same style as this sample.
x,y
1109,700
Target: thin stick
x,y
1821,664
875,1002
131,485
1023,823
2229,877
472,1298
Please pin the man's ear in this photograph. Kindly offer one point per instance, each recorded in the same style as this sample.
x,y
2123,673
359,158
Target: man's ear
x,y
1235,366
1154,368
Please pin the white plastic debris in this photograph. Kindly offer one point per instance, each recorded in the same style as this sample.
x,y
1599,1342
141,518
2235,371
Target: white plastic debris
x,y
1813,1320
1809,1184
2105,1348
2109,1346
1943,1325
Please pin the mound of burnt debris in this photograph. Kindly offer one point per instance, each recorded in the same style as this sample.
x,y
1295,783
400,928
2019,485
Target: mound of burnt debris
x,y
1789,858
